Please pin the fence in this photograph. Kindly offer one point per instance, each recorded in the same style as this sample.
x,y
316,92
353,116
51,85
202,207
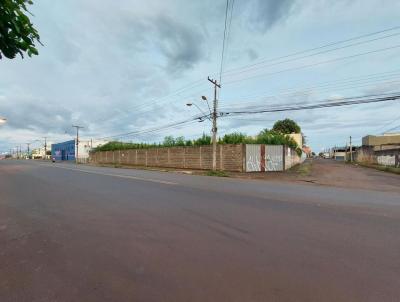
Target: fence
x,y
235,158
229,157
266,158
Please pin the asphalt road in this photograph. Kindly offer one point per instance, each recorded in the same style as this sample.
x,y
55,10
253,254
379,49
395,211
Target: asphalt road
x,y
83,233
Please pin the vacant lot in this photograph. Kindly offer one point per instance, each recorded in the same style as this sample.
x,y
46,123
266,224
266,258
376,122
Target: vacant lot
x,y
328,172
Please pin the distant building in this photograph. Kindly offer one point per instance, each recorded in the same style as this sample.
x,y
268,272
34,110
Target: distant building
x,y
307,151
383,149
67,151
386,139
298,138
341,153
40,153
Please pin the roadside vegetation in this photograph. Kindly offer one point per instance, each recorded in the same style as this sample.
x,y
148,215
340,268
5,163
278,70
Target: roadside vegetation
x,y
278,135
217,173
381,168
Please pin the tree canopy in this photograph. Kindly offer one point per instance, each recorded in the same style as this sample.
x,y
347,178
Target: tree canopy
x,y
286,126
17,34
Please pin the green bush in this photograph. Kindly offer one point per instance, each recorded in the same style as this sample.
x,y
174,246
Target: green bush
x,y
268,137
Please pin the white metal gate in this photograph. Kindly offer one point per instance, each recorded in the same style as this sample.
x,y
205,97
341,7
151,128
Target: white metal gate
x,y
274,158
253,158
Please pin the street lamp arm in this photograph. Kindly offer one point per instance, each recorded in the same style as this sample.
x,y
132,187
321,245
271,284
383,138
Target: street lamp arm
x,y
202,112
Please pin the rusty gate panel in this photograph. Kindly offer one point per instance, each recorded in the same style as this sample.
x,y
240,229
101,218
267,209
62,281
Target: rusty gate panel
x,y
274,158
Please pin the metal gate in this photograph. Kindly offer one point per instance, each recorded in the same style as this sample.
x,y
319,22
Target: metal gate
x,y
253,158
274,158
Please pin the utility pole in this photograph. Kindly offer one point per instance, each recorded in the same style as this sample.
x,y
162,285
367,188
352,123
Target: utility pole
x,y
351,151
45,147
28,144
214,122
77,142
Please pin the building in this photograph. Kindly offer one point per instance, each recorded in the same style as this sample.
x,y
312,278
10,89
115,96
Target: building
x,y
341,153
298,138
307,151
39,153
383,149
379,142
67,151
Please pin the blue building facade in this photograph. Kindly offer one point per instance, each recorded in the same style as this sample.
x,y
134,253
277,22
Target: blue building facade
x,y
63,151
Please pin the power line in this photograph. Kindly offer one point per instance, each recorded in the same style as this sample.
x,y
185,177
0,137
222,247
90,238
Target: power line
x,y
317,63
306,92
223,41
314,54
331,103
315,48
300,88
391,129
154,129
325,101
387,124
200,81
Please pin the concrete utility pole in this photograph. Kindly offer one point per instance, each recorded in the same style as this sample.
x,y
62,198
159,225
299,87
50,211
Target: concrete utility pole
x,y
45,147
28,144
214,120
77,141
351,151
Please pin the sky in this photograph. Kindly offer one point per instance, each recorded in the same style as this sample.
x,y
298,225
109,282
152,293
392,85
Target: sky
x,y
131,67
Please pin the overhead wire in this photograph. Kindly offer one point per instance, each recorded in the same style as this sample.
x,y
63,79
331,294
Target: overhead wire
x,y
325,104
315,64
223,42
200,81
312,55
262,61
307,92
308,86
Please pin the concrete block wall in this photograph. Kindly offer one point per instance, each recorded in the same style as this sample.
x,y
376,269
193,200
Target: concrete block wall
x,y
229,157
292,158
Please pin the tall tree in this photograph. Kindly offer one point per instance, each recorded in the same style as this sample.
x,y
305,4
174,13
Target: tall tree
x,y
286,126
17,34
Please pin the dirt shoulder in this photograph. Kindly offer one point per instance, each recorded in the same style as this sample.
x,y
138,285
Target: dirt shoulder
x,y
321,172
328,172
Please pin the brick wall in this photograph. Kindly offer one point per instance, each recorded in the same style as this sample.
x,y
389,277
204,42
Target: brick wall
x,y
229,157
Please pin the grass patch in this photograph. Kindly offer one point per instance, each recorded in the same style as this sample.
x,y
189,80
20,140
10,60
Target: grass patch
x,y
303,169
381,168
217,173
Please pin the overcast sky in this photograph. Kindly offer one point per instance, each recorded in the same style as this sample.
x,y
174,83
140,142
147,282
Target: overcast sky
x,y
120,68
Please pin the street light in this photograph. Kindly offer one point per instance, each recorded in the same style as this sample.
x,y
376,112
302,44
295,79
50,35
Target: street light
x,y
202,112
2,120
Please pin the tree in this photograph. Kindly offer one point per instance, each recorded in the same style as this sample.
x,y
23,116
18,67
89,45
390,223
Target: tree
x,y
180,141
234,138
204,140
286,126
169,141
17,34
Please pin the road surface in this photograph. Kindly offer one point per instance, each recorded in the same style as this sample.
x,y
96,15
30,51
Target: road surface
x,y
79,233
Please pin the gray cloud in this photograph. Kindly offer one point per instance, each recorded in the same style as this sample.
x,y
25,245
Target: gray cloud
x,y
269,12
36,115
106,66
252,54
183,46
